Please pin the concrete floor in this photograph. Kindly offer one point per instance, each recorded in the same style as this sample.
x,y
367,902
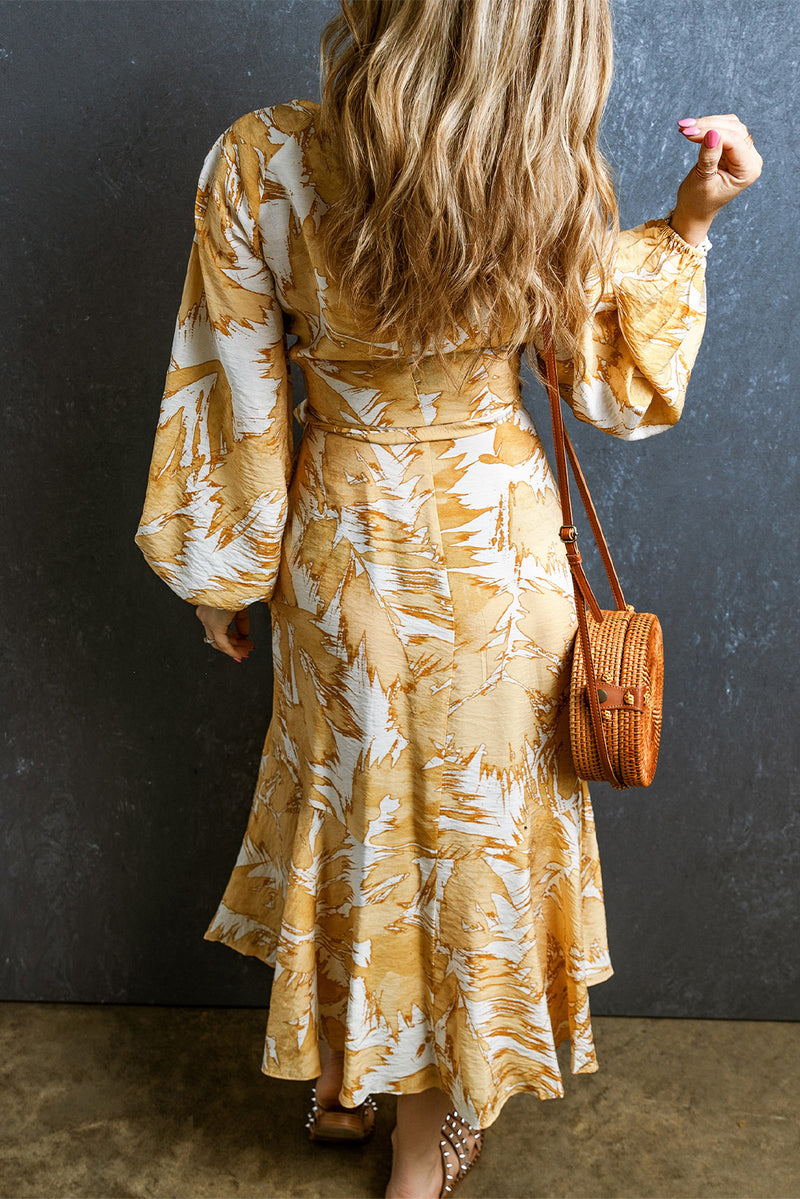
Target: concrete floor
x,y
102,1101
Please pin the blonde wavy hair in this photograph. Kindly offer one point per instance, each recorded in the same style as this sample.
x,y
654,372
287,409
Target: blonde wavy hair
x,y
474,186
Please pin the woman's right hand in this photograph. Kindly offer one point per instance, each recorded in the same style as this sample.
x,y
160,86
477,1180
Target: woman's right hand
x,y
218,624
722,170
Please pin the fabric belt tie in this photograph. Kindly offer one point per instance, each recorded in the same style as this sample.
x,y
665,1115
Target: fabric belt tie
x,y
395,434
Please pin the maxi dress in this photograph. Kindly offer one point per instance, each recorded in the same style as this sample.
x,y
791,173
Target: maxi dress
x,y
420,864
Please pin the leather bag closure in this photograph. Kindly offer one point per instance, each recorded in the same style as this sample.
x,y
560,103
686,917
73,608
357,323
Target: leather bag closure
x,y
611,696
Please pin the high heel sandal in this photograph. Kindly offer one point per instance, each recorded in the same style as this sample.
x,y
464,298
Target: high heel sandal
x,y
336,1123
453,1139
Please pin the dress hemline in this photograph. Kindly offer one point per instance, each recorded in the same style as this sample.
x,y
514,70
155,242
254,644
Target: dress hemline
x,y
249,947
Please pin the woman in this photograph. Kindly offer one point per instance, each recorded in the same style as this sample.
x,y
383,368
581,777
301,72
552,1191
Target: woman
x,y
420,864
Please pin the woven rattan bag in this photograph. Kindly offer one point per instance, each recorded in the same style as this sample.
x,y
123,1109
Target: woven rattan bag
x,y
617,674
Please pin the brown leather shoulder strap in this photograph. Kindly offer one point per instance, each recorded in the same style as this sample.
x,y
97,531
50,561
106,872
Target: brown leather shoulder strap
x,y
563,447
584,596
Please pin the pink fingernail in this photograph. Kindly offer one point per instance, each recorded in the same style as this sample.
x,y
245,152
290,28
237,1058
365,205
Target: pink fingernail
x,y
711,139
692,130
688,121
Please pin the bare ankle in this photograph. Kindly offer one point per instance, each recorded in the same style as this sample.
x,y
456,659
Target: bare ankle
x,y
417,1161
329,1083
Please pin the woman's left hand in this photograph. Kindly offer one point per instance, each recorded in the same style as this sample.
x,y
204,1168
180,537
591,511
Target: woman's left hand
x,y
217,622
722,170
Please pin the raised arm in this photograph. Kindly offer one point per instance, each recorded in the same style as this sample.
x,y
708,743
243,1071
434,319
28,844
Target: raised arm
x,y
643,340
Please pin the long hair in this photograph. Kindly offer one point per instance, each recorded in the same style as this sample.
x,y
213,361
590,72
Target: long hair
x,y
475,190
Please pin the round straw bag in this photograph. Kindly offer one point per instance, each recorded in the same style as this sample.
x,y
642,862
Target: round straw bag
x,y
617,678
627,652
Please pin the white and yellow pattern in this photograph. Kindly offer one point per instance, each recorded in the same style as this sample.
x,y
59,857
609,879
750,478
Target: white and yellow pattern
x,y
420,863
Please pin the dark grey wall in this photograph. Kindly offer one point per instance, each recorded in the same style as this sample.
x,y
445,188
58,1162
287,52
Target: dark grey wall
x,y
130,750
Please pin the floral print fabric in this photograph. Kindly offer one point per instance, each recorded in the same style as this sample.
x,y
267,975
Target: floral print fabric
x,y
420,864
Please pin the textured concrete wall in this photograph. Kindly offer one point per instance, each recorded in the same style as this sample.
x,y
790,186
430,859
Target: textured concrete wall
x,y
130,750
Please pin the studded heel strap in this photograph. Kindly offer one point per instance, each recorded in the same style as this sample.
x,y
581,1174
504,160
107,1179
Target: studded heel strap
x,y
453,1138
337,1123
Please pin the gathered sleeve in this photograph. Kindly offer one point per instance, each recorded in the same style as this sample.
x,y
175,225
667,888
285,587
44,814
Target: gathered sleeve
x,y
216,499
643,341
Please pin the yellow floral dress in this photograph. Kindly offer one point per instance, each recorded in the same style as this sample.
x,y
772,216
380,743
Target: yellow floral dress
x,y
420,864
